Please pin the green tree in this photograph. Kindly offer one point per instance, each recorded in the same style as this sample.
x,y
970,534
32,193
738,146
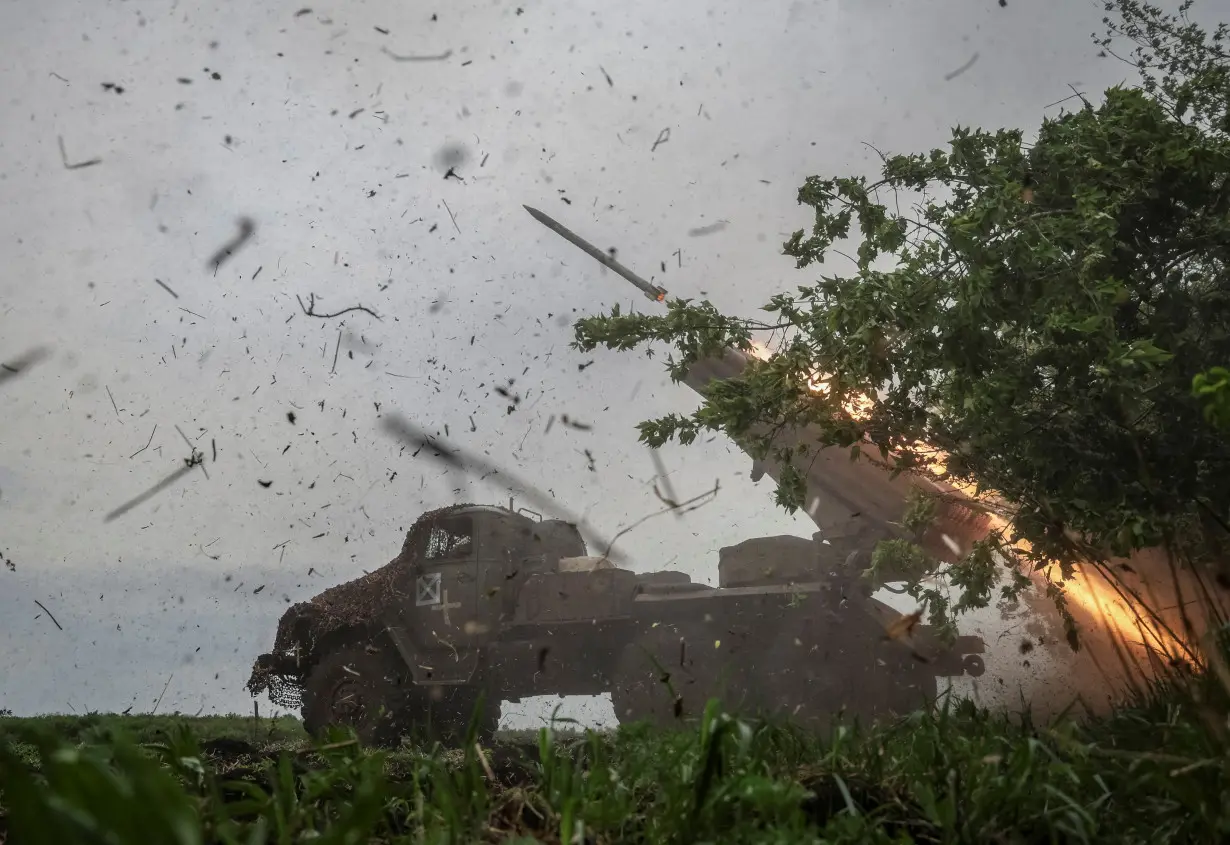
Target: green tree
x,y
1038,314
1213,390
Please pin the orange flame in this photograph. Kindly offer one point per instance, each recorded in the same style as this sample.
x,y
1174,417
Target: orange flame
x,y
1092,594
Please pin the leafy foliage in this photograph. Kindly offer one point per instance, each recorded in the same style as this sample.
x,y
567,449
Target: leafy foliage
x,y
1038,317
1213,390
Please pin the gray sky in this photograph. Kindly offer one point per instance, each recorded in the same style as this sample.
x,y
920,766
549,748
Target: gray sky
x,y
336,151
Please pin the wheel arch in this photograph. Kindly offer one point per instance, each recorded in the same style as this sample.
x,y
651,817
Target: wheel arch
x,y
360,668
366,634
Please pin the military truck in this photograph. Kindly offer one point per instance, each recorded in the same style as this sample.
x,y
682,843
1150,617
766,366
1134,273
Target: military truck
x,y
488,603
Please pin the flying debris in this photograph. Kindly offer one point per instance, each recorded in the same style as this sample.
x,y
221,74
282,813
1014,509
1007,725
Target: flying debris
x,y
654,292
12,369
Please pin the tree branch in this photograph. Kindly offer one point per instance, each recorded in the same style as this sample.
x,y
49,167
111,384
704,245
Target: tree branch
x,y
310,309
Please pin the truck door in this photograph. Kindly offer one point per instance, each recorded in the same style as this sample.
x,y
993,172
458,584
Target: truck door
x,y
446,590
428,625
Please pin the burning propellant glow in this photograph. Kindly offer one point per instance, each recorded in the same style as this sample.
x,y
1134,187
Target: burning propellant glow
x,y
1093,594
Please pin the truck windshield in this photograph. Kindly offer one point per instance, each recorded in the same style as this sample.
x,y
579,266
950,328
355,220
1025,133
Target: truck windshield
x,y
450,539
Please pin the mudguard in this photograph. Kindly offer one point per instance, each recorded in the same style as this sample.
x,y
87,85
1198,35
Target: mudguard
x,y
437,666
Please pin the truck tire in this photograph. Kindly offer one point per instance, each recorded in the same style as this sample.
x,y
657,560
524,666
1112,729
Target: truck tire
x,y
867,682
449,710
361,687
662,692
639,692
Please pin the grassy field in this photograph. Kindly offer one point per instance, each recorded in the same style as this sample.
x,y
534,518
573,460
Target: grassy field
x,y
1155,772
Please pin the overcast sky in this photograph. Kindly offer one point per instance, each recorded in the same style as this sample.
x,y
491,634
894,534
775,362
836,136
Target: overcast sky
x,y
632,123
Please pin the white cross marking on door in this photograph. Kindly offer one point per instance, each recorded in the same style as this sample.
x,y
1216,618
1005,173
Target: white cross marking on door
x,y
445,606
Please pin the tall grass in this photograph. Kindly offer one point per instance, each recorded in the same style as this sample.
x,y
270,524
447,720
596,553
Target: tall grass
x,y
1156,771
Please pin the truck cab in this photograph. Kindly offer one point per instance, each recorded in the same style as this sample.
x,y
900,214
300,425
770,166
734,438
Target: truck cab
x,y
469,565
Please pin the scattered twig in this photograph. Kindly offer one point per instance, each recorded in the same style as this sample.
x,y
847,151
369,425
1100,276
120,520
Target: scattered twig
x,y
193,313
164,692
482,758
49,616
57,76
16,368
663,137
310,309
337,348
196,457
399,58
669,498
571,423
247,228
332,746
451,217
113,405
146,446
671,507
163,285
78,165
948,77
701,231
609,81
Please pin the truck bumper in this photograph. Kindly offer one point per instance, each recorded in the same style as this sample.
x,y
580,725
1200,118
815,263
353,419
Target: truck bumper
x,y
269,665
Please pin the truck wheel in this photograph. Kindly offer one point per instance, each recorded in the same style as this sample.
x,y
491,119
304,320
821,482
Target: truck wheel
x,y
640,691
358,688
818,673
449,710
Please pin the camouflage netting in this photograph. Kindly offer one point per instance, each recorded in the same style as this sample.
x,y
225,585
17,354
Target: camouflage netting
x,y
347,605
283,691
